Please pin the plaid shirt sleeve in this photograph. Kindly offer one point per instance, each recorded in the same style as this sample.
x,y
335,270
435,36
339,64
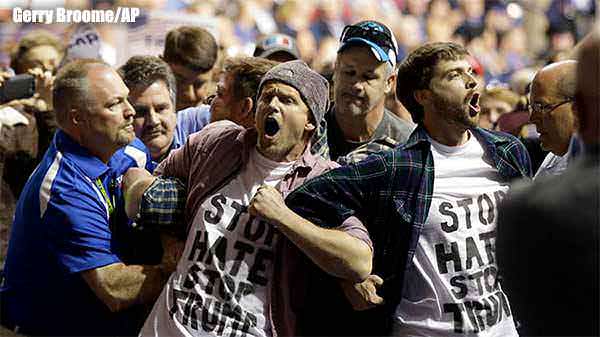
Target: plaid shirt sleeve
x,y
319,145
163,206
329,199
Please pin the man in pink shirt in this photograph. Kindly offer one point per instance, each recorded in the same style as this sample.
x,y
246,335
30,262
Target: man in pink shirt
x,y
245,249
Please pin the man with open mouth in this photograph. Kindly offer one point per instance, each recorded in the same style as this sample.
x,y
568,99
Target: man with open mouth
x,y
430,208
241,267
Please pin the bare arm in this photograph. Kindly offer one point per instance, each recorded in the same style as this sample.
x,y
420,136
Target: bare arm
x,y
120,286
336,252
135,182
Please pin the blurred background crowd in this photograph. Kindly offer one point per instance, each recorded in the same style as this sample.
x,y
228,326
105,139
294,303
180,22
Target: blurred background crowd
x,y
505,36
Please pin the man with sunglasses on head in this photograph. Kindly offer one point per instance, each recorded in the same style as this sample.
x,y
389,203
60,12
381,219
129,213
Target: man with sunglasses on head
x,y
359,124
553,111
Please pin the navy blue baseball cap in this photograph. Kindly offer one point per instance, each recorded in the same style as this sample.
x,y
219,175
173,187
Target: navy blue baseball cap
x,y
374,34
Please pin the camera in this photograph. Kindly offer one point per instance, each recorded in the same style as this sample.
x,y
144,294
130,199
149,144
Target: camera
x,y
17,87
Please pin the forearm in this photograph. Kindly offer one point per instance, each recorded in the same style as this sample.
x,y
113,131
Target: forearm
x,y
336,252
133,195
120,286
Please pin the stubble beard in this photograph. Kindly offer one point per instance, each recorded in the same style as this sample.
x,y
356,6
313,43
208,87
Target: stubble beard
x,y
454,113
124,137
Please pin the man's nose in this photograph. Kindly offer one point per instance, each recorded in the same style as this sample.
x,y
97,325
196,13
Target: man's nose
x,y
128,111
357,87
152,118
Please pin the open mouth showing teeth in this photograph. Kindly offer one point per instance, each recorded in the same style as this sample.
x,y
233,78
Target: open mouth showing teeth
x,y
474,104
271,126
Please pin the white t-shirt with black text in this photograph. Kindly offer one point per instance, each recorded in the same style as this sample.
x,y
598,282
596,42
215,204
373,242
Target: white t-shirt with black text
x,y
222,281
450,289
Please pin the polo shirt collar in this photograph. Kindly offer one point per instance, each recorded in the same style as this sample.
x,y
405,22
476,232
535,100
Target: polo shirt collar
x,y
91,165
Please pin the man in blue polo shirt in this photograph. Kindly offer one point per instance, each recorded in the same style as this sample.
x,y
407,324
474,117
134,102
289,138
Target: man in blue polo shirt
x,y
64,271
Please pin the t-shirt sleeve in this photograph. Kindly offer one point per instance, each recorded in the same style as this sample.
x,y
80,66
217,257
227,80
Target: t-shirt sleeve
x,y
354,227
78,232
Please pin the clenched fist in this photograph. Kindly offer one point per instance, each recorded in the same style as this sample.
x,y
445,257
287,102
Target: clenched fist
x,y
268,204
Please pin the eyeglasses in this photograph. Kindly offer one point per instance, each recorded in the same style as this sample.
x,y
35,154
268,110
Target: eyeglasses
x,y
543,109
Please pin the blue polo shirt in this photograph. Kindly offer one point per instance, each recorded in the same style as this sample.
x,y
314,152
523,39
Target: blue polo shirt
x,y
61,228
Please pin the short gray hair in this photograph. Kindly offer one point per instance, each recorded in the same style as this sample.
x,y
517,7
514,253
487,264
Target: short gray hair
x,y
71,88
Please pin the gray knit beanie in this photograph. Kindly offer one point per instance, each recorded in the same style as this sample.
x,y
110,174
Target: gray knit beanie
x,y
313,87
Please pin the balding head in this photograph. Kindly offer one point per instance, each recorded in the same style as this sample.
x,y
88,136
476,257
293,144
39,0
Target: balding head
x,y
552,105
558,79
588,89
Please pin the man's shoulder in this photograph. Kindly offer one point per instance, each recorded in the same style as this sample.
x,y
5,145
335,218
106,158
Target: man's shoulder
x,y
365,150
396,127
498,138
57,180
191,120
134,154
193,114
220,131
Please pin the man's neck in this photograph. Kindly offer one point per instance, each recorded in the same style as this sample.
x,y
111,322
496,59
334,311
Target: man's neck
x,y
294,154
160,154
449,134
97,151
360,128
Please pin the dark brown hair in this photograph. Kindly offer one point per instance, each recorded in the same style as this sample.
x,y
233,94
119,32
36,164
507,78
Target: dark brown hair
x,y
416,71
192,47
247,73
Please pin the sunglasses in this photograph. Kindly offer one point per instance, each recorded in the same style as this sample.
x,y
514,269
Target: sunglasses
x,y
370,31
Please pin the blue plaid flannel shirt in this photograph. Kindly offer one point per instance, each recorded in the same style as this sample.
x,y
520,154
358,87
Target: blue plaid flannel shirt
x,y
390,192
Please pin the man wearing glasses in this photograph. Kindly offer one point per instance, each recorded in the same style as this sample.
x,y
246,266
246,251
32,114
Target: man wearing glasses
x,y
552,111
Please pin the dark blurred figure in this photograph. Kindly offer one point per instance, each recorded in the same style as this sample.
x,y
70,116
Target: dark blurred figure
x,y
26,125
38,53
191,52
548,231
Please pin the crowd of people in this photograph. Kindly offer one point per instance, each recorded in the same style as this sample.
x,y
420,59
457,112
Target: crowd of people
x,y
374,168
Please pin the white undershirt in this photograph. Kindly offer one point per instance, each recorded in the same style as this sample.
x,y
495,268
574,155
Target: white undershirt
x,y
225,293
453,271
